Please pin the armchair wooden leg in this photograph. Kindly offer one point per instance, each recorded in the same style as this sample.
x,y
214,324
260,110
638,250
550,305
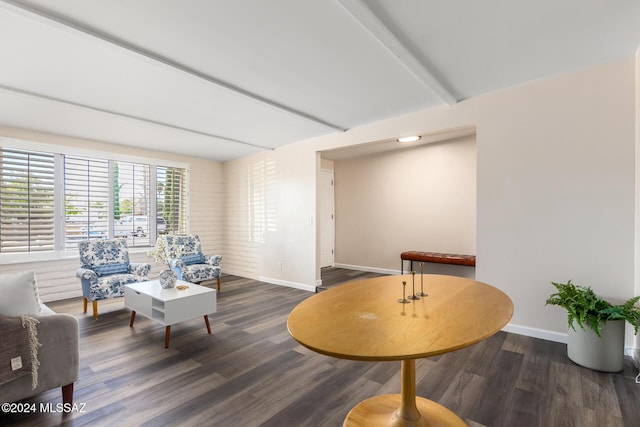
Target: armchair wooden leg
x,y
167,334
67,393
218,285
85,300
95,309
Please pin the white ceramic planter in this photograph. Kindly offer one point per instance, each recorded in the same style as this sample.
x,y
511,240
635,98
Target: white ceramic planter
x,y
605,353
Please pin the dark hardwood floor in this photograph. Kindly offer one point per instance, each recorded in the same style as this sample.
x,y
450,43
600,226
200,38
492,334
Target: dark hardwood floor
x,y
250,372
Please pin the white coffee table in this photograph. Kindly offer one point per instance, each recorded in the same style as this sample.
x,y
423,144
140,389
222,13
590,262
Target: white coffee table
x,y
170,306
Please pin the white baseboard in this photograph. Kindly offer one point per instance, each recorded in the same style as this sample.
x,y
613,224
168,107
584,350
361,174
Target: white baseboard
x,y
536,333
369,269
633,353
288,284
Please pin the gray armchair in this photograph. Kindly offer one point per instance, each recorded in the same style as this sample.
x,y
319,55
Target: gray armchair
x,y
106,269
58,357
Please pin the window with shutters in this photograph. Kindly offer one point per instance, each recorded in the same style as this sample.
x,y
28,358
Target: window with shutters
x,y
26,201
132,204
51,201
86,195
171,200
262,199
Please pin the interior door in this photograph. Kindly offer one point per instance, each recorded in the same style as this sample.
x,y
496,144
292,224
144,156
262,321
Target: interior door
x,y
327,219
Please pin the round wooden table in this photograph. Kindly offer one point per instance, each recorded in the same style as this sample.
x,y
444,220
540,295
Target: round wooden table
x,y
363,320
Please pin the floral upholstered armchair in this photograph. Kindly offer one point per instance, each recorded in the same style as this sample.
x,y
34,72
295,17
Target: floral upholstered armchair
x,y
184,256
106,269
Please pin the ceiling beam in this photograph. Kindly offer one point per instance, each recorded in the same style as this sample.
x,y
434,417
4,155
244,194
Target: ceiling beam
x,y
126,116
381,33
94,33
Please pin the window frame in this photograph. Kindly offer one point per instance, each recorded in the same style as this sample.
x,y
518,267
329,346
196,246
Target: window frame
x,y
59,151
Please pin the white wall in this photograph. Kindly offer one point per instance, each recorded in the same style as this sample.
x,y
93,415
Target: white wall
x,y
284,252
418,198
555,188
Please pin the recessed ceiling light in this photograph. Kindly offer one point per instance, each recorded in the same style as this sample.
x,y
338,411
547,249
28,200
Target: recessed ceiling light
x,y
409,139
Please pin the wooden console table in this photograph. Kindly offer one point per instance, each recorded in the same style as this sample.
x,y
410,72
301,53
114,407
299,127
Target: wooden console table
x,y
363,320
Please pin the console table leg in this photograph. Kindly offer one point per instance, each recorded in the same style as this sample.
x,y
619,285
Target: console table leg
x,y
206,322
133,317
167,334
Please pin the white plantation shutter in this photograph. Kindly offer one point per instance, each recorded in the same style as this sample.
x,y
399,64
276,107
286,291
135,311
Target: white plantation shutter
x,y
86,188
171,198
26,201
262,199
133,194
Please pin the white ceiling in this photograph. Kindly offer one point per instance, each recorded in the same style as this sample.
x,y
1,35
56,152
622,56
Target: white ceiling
x,y
227,78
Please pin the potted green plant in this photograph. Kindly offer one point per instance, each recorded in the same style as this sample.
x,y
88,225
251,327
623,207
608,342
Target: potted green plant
x,y
598,343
